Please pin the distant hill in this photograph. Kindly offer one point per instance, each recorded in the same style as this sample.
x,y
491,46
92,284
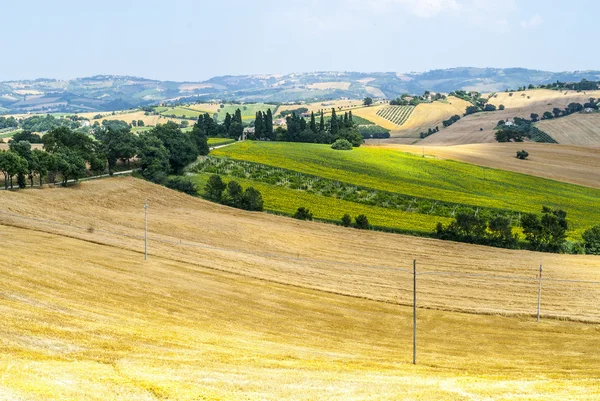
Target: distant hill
x,y
107,92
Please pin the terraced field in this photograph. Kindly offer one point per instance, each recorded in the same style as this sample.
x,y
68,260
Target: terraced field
x,y
396,114
443,180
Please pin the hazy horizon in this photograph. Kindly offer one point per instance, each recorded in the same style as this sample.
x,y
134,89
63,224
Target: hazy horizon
x,y
188,41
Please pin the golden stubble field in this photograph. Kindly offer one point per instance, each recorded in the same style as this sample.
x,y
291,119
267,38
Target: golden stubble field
x,y
479,127
86,318
580,129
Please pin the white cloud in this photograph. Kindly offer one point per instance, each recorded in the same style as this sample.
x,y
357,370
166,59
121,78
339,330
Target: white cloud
x,y
533,22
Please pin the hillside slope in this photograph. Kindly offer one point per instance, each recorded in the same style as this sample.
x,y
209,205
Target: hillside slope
x,y
521,104
85,317
576,129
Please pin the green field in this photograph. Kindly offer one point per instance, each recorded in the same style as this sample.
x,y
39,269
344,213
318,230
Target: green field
x,y
286,201
443,180
248,110
178,112
219,141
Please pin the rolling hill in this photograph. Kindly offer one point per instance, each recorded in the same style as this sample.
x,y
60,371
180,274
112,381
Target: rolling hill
x,y
232,305
577,129
107,92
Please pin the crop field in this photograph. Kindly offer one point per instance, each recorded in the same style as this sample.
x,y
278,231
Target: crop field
x,y
577,129
184,112
219,141
326,106
246,314
396,114
248,110
412,175
479,127
573,164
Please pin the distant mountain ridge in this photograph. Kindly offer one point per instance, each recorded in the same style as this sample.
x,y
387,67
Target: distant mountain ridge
x,y
112,92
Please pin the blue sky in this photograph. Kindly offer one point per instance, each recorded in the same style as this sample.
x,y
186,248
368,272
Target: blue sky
x,y
195,40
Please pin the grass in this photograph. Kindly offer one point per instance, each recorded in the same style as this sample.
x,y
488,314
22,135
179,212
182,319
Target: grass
x,y
393,171
286,201
219,141
85,317
179,112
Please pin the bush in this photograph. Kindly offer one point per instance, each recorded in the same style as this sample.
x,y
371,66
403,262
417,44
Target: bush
x,y
591,241
362,222
341,144
346,220
182,184
252,200
522,154
303,214
214,188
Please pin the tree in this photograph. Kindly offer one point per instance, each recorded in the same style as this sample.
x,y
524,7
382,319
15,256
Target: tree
x,y
501,107
303,214
154,158
214,188
557,112
352,135
334,124
259,125
591,241
313,122
362,222
471,110
534,117
115,144
182,184
11,164
522,154
489,107
40,164
368,101
227,122
235,194
181,147
70,165
268,118
501,234
346,220
140,123
547,233
547,115
322,123
26,136
252,200
200,137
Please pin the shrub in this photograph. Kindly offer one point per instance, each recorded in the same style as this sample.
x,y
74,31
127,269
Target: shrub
x,y
235,194
252,200
214,188
341,144
522,154
303,214
182,184
346,220
591,241
362,222
501,107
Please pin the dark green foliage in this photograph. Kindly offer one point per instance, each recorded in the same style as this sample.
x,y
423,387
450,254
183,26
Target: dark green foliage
x,y
303,214
200,137
116,143
591,241
41,123
547,115
474,229
346,220
547,233
350,134
451,120
368,101
501,107
471,110
70,165
235,194
214,188
8,122
362,222
27,136
373,131
252,200
489,107
182,184
522,154
341,144
154,158
181,147
509,134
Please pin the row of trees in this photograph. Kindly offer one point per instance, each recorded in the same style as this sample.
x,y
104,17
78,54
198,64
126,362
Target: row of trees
x,y
232,194
361,221
546,232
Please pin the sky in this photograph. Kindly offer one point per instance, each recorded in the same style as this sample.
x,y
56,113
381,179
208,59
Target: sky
x,y
194,40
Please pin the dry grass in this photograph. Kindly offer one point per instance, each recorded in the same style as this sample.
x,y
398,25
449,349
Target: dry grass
x,y
468,129
577,165
85,318
576,129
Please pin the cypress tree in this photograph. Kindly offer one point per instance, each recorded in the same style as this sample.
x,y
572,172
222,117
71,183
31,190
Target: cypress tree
x,y
259,125
313,123
345,119
227,121
237,118
269,124
322,123
350,117
335,127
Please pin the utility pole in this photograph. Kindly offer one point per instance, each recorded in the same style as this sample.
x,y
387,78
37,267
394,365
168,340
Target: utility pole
x,y
539,294
414,312
146,230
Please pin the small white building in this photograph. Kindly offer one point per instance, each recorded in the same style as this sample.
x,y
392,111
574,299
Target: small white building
x,y
509,123
588,110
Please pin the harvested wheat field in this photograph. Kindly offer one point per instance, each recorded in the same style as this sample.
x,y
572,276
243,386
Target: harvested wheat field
x,y
574,164
479,127
233,305
577,129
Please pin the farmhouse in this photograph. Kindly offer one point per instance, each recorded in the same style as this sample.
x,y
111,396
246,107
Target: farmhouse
x,y
280,122
509,123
